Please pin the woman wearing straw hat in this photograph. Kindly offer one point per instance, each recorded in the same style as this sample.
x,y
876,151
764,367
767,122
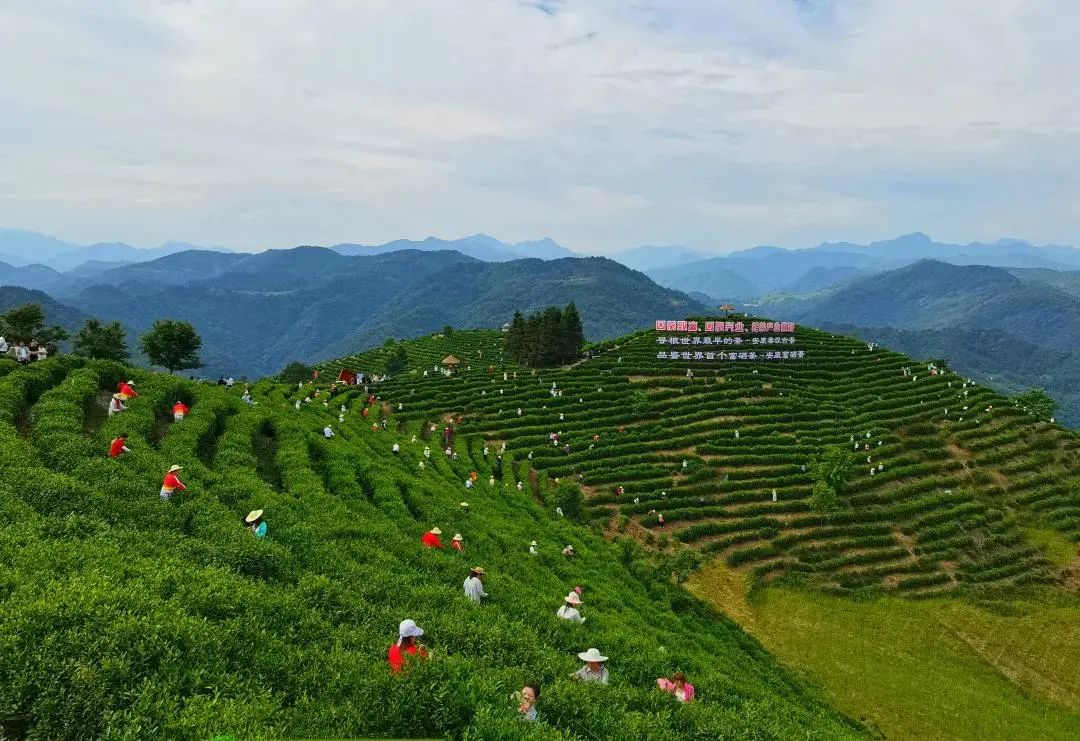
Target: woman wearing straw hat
x,y
171,483
474,588
116,404
532,549
594,669
431,538
408,632
458,543
569,610
255,523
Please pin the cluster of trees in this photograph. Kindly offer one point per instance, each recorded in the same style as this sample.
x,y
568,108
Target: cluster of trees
x,y
296,372
829,471
549,337
1037,401
26,323
168,343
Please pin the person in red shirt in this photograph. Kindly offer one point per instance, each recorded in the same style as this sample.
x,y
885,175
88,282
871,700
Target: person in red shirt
x,y
171,484
126,392
180,410
431,538
458,543
118,446
408,632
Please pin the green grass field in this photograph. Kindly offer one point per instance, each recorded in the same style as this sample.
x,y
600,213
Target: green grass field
x,y
926,669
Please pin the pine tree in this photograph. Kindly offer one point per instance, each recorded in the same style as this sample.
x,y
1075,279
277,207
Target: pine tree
x,y
572,335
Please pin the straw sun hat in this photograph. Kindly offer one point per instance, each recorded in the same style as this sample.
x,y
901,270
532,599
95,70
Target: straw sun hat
x,y
253,515
591,655
436,531
173,468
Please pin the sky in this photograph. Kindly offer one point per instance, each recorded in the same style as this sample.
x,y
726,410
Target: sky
x,y
604,124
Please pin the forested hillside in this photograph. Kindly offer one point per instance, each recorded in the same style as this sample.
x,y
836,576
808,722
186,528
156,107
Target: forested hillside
x,y
258,312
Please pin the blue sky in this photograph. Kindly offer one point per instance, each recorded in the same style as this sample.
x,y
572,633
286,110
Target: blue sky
x,y
605,124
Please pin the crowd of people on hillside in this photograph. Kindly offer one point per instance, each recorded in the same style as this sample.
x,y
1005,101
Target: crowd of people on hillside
x,y
25,352
171,483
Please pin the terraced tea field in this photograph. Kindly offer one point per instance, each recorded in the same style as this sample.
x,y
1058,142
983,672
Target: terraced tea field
x,y
125,617
724,456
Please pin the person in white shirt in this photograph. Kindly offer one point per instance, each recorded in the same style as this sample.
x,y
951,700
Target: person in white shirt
x,y
43,352
297,405
3,345
569,610
594,669
532,549
22,353
328,432
474,588
396,449
116,406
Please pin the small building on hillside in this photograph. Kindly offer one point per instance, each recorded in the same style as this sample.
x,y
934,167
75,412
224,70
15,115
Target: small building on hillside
x,y
506,327
451,362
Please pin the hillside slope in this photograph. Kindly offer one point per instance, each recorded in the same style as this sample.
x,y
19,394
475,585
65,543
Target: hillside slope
x,y
959,470
988,312
123,616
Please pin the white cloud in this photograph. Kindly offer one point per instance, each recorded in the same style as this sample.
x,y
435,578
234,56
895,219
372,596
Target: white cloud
x,y
719,123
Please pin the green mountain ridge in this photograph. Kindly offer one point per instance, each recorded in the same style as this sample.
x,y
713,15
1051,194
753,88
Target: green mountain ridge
x,y
257,312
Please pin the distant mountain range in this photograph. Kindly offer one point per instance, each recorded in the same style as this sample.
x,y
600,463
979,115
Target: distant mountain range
x,y
479,246
21,249
761,271
1016,328
256,312
42,262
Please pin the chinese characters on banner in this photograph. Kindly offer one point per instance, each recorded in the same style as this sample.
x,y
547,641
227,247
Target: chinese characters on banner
x,y
666,325
730,344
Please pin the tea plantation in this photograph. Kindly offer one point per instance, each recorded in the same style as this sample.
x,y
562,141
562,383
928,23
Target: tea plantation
x,y
726,457
125,617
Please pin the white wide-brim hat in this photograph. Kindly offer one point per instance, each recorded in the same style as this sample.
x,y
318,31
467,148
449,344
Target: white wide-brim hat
x,y
173,468
591,655
533,543
435,531
409,629
253,515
